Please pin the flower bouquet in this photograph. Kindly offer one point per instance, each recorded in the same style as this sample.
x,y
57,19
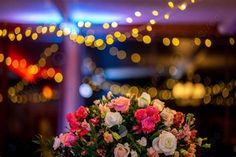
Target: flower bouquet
x,y
128,126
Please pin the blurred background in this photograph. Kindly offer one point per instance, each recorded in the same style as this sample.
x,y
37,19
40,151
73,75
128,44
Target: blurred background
x,y
56,55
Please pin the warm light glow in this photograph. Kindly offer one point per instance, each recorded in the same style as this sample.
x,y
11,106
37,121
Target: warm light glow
x,y
155,13
113,51
175,41
231,41
80,24
134,35
166,16
23,63
42,62
15,64
34,36
33,69
182,6
19,37
109,41
1,98
51,72
121,54
166,41
106,26
193,1
11,36
59,33
44,30
149,28
39,29
1,57
129,20
98,43
197,41
28,32
4,32
147,39
87,24
8,61
114,24
152,21
17,30
52,28
58,77
171,4
136,58
208,43
138,13
117,34
89,40
122,38
80,39
135,30
47,92
102,47
152,91
0,32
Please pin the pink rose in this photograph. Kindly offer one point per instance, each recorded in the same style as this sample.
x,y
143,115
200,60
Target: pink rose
x,y
94,121
121,104
108,137
148,125
140,114
81,112
71,118
152,152
68,139
154,113
84,128
122,150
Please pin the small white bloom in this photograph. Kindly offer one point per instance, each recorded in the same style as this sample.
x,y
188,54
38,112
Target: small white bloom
x,y
168,115
113,118
142,141
109,95
158,104
96,102
56,143
144,100
134,153
166,143
122,150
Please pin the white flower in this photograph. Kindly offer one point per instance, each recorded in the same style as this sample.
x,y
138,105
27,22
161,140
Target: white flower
x,y
109,95
122,150
158,104
134,153
113,118
142,141
56,143
166,143
168,115
144,100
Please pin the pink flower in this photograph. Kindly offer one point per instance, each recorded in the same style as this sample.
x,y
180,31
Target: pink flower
x,y
56,143
137,129
120,104
178,119
148,125
81,112
154,113
84,128
151,152
108,137
122,150
94,121
140,114
71,118
68,139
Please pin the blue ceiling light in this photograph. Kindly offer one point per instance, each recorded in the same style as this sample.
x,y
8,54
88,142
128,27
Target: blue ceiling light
x,y
69,27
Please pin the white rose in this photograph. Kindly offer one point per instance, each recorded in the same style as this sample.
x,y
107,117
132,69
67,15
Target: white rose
x,y
113,118
122,150
166,143
56,143
142,141
134,153
158,104
168,115
144,100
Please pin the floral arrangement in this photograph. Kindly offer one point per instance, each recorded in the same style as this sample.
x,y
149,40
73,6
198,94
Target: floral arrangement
x,y
128,126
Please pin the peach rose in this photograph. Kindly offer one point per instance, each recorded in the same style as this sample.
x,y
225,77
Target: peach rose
x,y
113,118
158,104
108,137
168,116
121,104
151,152
122,150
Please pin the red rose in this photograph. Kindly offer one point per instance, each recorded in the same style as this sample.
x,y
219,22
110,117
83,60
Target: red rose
x,y
178,119
72,120
140,114
148,125
81,112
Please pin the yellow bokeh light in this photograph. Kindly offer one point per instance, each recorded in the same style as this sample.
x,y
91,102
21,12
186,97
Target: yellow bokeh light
x,y
121,54
19,37
149,28
175,41
17,30
133,90
208,43
114,24
80,39
28,32
109,36
4,32
109,41
136,58
122,38
135,30
42,62
102,47
89,39
197,41
193,1
113,51
0,32
166,41
80,24
8,61
1,98
11,36
58,77
33,69
59,33
34,36
129,20
134,35
138,13
117,34
152,91
87,24
155,13
171,4
15,64
147,39
52,28
23,63
98,43
39,29
54,48
11,91
51,72
231,41
166,16
183,6
106,26
47,92
1,57
152,21
44,30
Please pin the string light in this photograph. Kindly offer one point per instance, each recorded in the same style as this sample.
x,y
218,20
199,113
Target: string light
x,y
138,14
147,39
155,13
208,43
171,4
114,24
129,20
1,57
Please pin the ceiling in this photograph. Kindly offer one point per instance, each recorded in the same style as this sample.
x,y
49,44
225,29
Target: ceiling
x,y
222,13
